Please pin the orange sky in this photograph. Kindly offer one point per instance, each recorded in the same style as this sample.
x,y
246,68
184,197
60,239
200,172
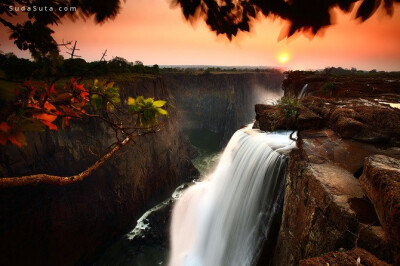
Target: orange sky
x,y
150,31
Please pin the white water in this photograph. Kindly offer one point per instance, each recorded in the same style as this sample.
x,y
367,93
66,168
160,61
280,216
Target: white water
x,y
223,219
303,92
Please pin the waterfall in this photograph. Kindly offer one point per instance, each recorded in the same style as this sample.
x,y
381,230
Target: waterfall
x,y
303,92
224,219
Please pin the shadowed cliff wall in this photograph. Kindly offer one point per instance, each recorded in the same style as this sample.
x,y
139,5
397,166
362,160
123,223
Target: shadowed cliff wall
x,y
64,225
222,102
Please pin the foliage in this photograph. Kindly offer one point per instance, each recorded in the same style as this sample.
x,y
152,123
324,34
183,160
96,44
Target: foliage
x,y
148,109
104,94
37,106
19,69
327,88
229,17
289,107
35,33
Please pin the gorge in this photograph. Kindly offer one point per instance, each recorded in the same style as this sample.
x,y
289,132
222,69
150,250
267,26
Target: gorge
x,y
341,178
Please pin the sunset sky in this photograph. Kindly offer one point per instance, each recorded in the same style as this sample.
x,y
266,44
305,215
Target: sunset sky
x,y
151,31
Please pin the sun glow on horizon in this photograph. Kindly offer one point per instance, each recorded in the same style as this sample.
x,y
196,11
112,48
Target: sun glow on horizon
x,y
283,57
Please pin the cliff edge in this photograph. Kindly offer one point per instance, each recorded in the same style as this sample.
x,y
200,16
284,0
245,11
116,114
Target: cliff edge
x,y
342,189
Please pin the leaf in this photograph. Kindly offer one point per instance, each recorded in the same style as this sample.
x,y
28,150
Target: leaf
x,y
18,139
148,101
49,106
80,87
162,111
50,125
131,101
45,117
4,127
51,89
63,96
159,103
109,85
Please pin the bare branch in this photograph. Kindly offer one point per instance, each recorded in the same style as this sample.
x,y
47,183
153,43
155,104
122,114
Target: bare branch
x,y
41,179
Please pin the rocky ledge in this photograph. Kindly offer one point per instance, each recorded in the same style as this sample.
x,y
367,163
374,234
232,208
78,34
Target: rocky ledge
x,y
343,181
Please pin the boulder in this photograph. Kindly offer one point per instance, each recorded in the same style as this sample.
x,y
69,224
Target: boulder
x,y
307,119
269,118
381,182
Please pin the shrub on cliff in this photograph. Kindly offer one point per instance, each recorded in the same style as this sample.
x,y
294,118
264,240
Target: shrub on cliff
x,y
289,107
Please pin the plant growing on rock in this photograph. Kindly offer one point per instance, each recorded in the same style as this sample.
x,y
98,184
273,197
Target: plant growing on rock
x,y
284,113
289,107
327,88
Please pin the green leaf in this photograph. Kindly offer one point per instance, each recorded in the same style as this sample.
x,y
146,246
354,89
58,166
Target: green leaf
x,y
159,103
162,111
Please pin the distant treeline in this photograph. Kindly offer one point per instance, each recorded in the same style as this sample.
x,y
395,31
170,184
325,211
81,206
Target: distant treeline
x,y
17,69
352,71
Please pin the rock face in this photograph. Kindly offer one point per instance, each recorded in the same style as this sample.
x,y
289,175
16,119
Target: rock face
x,y
381,181
340,86
222,102
370,120
64,225
326,207
354,257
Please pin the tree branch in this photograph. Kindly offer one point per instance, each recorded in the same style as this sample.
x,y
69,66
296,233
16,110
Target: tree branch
x,y
7,24
39,179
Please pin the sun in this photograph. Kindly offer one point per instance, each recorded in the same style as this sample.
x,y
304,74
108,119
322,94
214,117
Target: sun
x,y
283,57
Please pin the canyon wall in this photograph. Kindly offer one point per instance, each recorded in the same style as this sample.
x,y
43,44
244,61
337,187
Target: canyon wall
x,y
343,179
44,224
222,102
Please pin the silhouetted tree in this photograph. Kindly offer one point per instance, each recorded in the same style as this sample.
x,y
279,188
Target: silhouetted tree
x,y
230,16
35,33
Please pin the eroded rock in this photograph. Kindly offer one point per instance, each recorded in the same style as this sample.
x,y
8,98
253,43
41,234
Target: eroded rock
x,y
356,256
330,208
381,182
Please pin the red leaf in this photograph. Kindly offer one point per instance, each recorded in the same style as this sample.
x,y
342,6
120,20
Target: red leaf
x,y
52,89
80,87
14,141
50,125
4,127
84,94
45,117
16,92
49,106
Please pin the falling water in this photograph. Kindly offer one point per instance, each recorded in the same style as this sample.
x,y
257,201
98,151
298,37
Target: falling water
x,y
303,92
224,219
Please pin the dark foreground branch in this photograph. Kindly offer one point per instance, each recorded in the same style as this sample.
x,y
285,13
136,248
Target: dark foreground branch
x,y
10,182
